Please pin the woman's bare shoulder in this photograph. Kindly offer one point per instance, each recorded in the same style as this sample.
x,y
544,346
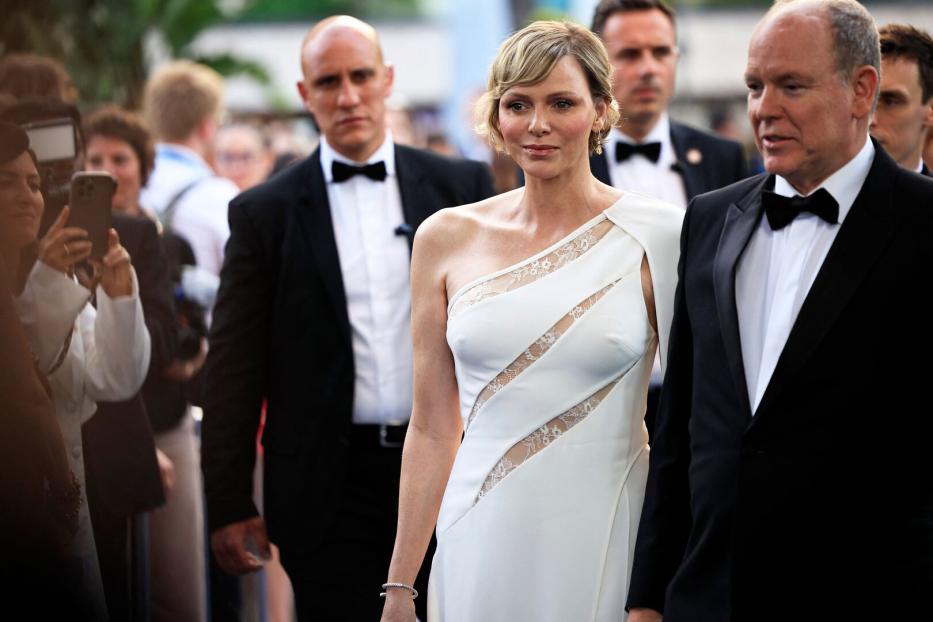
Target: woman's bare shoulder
x,y
451,227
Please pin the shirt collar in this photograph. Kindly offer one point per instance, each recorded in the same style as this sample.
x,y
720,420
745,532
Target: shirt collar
x,y
844,185
919,168
182,154
660,133
385,153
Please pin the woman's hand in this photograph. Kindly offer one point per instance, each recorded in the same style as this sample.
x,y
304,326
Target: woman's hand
x,y
62,247
115,269
399,607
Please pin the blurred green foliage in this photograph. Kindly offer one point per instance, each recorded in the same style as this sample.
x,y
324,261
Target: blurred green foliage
x,y
103,43
284,10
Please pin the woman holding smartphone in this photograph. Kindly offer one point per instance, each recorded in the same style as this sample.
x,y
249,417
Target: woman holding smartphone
x,y
87,354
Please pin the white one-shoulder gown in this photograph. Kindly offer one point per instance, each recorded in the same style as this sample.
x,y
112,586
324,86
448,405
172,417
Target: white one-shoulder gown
x,y
553,357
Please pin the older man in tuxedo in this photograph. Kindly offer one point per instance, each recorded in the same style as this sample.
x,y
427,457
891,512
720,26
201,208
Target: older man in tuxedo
x,y
788,481
313,317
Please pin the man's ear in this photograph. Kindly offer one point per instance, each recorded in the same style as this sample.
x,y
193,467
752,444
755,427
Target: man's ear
x,y
864,84
928,118
303,94
390,78
207,129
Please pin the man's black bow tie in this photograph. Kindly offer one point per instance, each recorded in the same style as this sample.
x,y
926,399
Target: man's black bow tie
x,y
624,151
342,172
781,210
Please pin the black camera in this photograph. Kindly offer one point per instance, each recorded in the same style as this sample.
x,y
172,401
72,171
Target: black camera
x,y
55,138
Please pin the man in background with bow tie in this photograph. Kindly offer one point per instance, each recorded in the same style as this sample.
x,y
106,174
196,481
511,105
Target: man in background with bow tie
x,y
313,317
788,479
648,152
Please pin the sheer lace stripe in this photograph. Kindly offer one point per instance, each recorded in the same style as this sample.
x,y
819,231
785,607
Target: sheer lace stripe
x,y
536,350
529,270
542,437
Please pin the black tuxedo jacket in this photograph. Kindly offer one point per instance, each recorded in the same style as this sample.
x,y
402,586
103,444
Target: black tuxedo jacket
x,y
119,451
281,332
820,506
721,161
926,171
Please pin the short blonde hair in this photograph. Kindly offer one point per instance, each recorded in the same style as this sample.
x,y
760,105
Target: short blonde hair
x,y
529,55
179,97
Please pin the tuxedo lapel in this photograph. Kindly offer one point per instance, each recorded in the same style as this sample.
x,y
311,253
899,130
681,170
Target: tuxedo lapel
x,y
599,166
417,202
741,219
862,237
690,168
314,217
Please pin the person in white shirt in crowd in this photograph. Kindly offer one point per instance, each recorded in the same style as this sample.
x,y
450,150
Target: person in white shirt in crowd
x,y
87,354
182,103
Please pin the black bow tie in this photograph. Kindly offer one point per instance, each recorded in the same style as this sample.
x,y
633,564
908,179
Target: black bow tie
x,y
624,151
781,210
342,172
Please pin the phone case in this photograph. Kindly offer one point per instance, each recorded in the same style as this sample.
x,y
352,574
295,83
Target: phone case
x,y
91,195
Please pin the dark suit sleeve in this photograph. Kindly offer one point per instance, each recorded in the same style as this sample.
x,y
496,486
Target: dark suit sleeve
x,y
665,518
157,297
484,185
236,365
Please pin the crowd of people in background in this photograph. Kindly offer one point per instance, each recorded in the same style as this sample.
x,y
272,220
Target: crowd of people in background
x,y
216,292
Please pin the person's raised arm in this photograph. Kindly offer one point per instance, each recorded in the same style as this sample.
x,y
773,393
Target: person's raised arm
x,y
435,429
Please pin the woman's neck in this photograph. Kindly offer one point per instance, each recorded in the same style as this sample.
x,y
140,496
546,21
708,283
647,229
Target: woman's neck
x,y
566,200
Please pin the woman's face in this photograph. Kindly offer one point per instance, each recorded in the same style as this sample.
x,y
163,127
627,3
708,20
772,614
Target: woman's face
x,y
240,156
21,202
546,126
116,156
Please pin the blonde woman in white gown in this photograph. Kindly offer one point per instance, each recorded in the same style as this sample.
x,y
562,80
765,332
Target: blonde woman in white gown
x,y
536,318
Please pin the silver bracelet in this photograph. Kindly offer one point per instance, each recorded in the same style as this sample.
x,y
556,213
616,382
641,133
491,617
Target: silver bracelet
x,y
404,586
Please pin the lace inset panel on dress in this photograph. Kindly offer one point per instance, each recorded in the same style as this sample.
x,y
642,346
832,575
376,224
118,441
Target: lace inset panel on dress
x,y
533,270
535,351
542,437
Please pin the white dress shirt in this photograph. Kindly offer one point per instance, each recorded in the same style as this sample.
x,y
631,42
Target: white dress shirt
x,y
777,269
375,263
639,174
201,214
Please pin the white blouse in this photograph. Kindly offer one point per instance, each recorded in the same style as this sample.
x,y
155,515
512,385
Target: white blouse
x,y
107,360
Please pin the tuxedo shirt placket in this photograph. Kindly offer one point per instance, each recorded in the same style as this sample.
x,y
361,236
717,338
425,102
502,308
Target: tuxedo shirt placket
x,y
777,269
374,263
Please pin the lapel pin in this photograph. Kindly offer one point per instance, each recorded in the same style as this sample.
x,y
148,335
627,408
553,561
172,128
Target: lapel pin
x,y
694,156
